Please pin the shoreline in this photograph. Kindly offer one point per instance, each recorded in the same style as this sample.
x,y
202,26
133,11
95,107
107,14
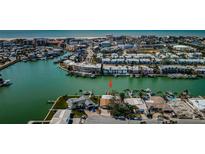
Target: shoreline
x,y
170,76
8,64
76,37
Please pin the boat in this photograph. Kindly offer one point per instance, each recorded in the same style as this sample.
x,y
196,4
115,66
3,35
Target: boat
x,y
93,76
56,62
50,101
25,60
4,83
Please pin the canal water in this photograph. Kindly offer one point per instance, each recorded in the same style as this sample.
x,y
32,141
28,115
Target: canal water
x,y
34,83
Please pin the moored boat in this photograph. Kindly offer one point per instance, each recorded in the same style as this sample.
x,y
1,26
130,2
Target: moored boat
x,y
4,83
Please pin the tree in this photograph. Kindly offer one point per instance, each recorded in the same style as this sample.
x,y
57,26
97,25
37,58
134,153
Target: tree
x,y
175,93
135,92
160,93
122,96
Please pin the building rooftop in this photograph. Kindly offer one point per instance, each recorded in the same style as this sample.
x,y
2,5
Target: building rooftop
x,y
198,103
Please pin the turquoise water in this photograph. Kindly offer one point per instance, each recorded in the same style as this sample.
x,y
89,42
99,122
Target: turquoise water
x,y
93,33
36,82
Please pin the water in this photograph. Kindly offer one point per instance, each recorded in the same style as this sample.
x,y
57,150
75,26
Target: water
x,y
36,82
94,33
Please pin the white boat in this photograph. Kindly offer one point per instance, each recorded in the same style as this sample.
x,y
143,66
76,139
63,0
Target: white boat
x,y
4,82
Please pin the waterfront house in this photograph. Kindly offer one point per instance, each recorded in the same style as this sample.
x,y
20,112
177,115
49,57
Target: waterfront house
x,y
146,70
157,104
136,102
106,100
198,103
181,109
175,69
200,70
83,67
115,70
82,102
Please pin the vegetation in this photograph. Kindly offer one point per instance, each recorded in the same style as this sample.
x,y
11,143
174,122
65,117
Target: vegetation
x,y
95,99
114,93
50,115
123,110
184,94
78,113
61,103
122,97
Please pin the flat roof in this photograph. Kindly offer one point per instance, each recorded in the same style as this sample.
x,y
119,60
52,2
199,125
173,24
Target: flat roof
x,y
198,102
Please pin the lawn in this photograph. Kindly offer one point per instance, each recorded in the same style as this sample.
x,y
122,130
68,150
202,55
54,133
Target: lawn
x,y
61,103
50,115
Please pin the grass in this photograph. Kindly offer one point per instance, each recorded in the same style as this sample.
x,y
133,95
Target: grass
x,y
50,115
95,99
61,103
73,96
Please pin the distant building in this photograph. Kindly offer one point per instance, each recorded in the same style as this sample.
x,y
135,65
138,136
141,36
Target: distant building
x,y
183,48
105,44
40,41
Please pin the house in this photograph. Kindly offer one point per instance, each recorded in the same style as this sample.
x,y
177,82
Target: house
x,y
181,109
81,103
157,104
174,69
198,103
106,100
115,70
146,70
200,70
137,102
83,67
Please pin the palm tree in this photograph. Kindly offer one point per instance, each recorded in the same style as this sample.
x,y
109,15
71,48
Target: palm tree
x,y
175,94
122,96
135,92
126,91
160,93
